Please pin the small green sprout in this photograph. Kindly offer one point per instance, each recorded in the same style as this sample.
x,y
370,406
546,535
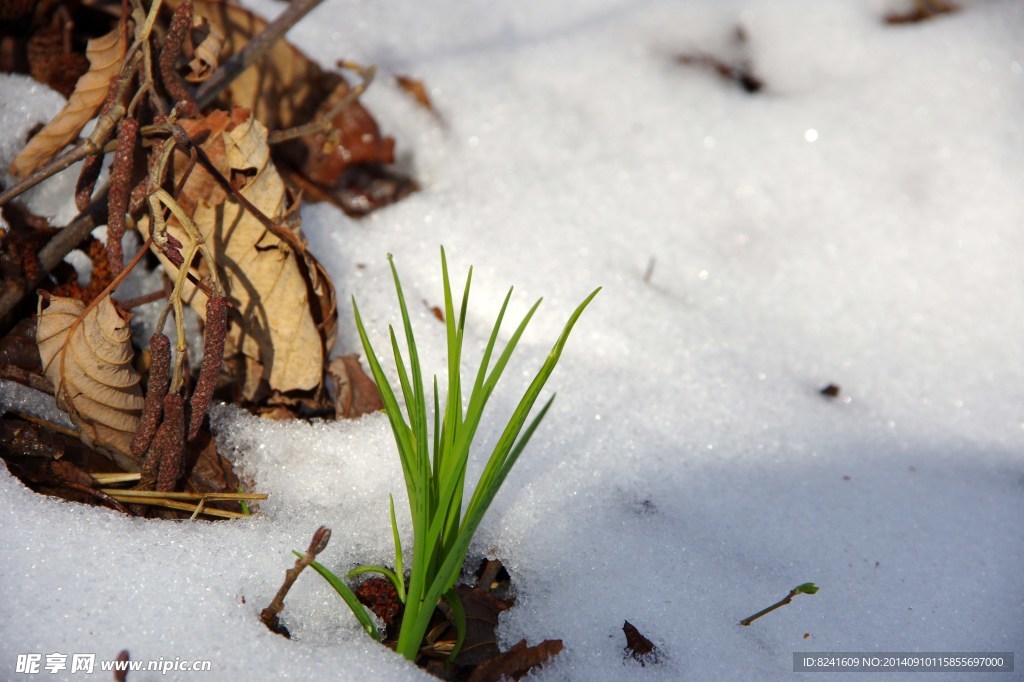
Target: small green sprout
x,y
442,530
805,588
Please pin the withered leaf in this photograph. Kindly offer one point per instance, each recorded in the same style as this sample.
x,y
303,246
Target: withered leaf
x,y
516,662
208,470
209,43
638,646
482,610
87,355
104,55
284,299
355,394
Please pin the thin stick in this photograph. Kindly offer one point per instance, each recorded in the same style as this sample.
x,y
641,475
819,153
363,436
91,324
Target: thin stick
x,y
45,424
107,479
60,163
806,588
253,50
325,123
316,545
188,497
180,506
99,495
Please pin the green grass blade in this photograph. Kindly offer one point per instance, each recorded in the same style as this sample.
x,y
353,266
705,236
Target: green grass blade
x,y
350,598
383,570
418,423
451,597
399,428
399,566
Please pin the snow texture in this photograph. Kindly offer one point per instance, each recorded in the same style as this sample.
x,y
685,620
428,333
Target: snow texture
x,y
857,222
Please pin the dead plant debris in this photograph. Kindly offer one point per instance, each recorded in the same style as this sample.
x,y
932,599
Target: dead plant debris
x,y
922,10
209,166
638,647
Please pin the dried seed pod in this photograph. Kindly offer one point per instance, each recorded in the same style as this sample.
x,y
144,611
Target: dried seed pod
x,y
169,443
177,33
159,382
120,191
213,356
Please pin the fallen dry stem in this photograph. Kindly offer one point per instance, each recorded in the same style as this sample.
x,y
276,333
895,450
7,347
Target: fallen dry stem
x,y
109,479
188,497
99,495
319,542
70,433
171,504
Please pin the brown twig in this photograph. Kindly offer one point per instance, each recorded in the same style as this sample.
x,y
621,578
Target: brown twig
x,y
805,588
269,615
144,299
253,50
99,495
50,256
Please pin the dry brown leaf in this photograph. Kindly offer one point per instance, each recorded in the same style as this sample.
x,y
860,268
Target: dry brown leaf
x,y
87,355
282,332
516,662
104,55
355,394
209,42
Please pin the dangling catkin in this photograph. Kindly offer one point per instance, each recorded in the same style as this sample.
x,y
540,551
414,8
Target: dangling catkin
x,y
213,356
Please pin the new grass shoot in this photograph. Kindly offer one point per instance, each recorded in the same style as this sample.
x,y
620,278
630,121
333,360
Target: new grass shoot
x,y
434,459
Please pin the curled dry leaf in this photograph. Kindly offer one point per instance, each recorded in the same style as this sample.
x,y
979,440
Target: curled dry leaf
x,y
284,299
209,43
87,355
104,55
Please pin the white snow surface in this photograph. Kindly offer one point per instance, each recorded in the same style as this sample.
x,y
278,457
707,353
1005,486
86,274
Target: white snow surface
x,y
859,222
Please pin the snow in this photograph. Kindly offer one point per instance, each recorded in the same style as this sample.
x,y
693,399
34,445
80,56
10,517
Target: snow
x,y
858,223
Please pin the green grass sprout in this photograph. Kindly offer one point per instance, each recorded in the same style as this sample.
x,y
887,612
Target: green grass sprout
x,y
804,588
442,530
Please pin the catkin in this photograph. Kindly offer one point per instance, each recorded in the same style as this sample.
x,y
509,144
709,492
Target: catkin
x,y
120,191
177,32
93,164
213,356
169,443
159,381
